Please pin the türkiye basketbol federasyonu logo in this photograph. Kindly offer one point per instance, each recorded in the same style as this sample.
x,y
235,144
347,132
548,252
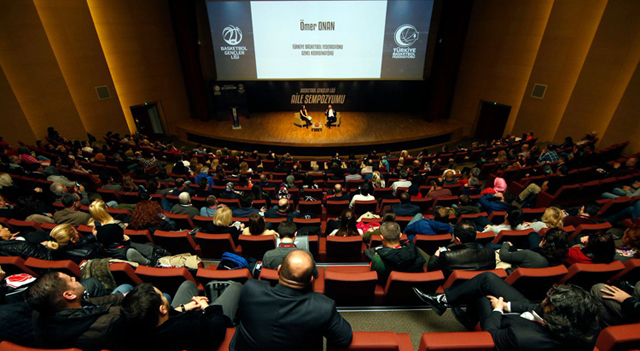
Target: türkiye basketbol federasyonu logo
x,y
232,35
405,36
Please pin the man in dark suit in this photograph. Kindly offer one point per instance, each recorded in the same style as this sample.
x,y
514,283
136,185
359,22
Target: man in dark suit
x,y
565,320
289,316
332,116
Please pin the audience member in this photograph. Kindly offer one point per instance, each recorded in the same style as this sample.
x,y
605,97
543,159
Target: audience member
x,y
565,320
71,213
309,315
405,208
185,206
394,254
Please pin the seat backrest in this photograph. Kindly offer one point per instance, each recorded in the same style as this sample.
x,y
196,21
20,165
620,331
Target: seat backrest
x,y
516,237
377,341
619,338
24,225
335,208
351,289
214,245
42,266
166,279
631,272
458,276
430,243
399,288
362,207
175,242
15,265
347,248
586,275
314,207
471,341
270,275
123,273
139,236
183,221
533,283
255,246
586,229
9,346
205,275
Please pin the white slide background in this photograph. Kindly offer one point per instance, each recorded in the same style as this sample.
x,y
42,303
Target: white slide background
x,y
359,27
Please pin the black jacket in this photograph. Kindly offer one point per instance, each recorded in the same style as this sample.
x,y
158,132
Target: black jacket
x,y
24,249
406,258
466,257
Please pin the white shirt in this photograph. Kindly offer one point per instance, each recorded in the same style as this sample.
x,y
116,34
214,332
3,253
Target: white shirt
x,y
360,197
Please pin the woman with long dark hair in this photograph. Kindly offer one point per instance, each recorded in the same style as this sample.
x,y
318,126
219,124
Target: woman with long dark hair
x,y
347,225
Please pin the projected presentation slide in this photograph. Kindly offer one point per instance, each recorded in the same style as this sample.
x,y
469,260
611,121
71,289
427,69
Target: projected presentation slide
x,y
273,40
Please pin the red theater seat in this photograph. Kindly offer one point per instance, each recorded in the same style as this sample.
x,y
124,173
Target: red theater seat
x,y
533,283
469,341
377,341
351,289
399,288
459,276
255,246
586,275
42,266
9,346
214,245
619,338
206,275
15,265
176,242
166,279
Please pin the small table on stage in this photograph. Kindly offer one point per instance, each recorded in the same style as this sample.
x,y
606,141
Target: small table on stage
x,y
316,127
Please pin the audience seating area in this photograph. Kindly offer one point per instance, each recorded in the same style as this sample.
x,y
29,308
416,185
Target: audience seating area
x,y
342,266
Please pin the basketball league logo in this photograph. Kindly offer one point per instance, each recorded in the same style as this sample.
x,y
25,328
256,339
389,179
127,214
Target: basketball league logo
x,y
232,35
405,35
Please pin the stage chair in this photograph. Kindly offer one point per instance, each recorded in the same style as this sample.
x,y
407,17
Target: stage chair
x,y
586,275
166,279
534,282
42,266
214,245
205,275
255,246
15,265
399,288
430,243
296,120
176,242
123,273
470,341
377,341
618,338
351,289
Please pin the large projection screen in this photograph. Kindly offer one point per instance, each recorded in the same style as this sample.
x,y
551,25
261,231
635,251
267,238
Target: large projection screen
x,y
320,40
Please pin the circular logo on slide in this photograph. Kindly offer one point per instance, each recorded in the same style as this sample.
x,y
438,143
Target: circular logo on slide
x,y
232,35
405,35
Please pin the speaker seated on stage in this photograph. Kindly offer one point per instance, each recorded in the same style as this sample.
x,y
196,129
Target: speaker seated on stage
x,y
304,116
332,116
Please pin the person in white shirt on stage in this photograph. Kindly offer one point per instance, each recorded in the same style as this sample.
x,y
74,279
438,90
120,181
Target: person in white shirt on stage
x,y
304,116
331,116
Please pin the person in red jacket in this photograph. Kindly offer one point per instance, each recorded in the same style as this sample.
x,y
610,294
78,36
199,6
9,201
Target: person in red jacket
x,y
597,247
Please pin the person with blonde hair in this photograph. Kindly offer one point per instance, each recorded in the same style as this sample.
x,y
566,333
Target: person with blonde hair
x,y
222,223
100,215
376,180
67,244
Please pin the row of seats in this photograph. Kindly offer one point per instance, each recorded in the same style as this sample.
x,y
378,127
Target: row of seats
x,y
359,281
325,249
616,338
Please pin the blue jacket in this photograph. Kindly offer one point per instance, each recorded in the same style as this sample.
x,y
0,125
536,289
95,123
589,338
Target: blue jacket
x,y
489,204
428,227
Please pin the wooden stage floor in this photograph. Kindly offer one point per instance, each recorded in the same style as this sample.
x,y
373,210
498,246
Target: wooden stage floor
x,y
359,131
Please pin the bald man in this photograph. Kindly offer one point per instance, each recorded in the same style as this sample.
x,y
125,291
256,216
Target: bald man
x,y
289,316
281,210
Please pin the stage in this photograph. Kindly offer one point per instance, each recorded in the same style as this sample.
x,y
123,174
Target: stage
x,y
359,133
